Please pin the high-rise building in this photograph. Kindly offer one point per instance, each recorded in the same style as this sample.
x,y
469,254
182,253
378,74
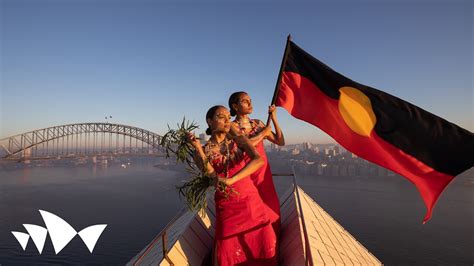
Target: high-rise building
x,y
273,147
306,146
316,149
203,138
326,151
336,150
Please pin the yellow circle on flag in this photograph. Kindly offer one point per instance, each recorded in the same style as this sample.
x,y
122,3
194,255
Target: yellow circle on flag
x,y
356,110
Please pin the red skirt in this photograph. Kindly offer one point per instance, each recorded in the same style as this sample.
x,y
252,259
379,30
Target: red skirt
x,y
244,234
263,181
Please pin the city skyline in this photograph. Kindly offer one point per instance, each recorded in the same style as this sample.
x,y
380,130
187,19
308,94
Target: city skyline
x,y
149,63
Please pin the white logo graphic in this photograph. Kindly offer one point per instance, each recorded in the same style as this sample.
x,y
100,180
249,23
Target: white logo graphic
x,y
60,232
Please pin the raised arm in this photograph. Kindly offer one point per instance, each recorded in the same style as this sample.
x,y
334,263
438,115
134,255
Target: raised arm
x,y
255,139
277,136
252,166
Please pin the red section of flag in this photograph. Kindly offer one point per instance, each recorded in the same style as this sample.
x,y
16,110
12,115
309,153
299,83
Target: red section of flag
x,y
305,101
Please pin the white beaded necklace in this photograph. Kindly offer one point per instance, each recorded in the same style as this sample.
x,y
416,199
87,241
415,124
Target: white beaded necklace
x,y
244,123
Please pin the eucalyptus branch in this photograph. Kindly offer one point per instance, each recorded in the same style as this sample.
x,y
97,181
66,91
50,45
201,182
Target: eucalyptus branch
x,y
174,141
194,191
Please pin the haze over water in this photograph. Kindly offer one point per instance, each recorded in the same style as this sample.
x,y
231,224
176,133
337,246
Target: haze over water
x,y
383,213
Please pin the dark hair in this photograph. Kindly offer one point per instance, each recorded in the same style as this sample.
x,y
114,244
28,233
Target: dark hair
x,y
234,98
210,114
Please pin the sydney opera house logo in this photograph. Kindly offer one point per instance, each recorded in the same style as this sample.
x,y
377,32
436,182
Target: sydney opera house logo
x,y
60,232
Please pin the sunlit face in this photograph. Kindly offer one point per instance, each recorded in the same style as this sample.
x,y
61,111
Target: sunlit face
x,y
220,122
244,105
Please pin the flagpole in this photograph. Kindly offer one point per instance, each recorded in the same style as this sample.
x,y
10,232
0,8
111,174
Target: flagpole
x,y
277,86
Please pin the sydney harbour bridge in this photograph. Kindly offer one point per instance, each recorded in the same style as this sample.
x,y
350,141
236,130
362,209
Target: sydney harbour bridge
x,y
82,139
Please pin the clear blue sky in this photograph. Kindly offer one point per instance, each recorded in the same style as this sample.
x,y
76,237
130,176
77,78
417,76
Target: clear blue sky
x,y
149,63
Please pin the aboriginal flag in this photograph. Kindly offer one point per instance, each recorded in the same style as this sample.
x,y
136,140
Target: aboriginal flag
x,y
381,128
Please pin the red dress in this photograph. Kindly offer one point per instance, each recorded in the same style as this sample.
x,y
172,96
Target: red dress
x,y
243,233
263,179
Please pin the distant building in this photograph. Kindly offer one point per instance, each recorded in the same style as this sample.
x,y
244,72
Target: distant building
x,y
336,150
316,149
284,148
326,151
203,138
306,146
342,150
273,147
295,151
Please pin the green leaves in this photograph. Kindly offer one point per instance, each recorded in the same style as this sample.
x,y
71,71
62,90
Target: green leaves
x,y
194,191
175,143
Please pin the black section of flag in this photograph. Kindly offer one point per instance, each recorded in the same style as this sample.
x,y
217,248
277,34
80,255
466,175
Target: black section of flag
x,y
438,143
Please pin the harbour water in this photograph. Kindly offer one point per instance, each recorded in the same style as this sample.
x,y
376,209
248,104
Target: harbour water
x,y
137,200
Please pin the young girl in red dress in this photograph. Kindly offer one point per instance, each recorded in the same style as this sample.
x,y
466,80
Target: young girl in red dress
x,y
240,105
243,232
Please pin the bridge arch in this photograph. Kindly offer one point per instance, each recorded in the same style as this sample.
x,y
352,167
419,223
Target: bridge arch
x,y
16,144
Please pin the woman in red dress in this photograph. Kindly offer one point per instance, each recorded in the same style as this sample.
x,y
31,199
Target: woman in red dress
x,y
243,232
240,105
